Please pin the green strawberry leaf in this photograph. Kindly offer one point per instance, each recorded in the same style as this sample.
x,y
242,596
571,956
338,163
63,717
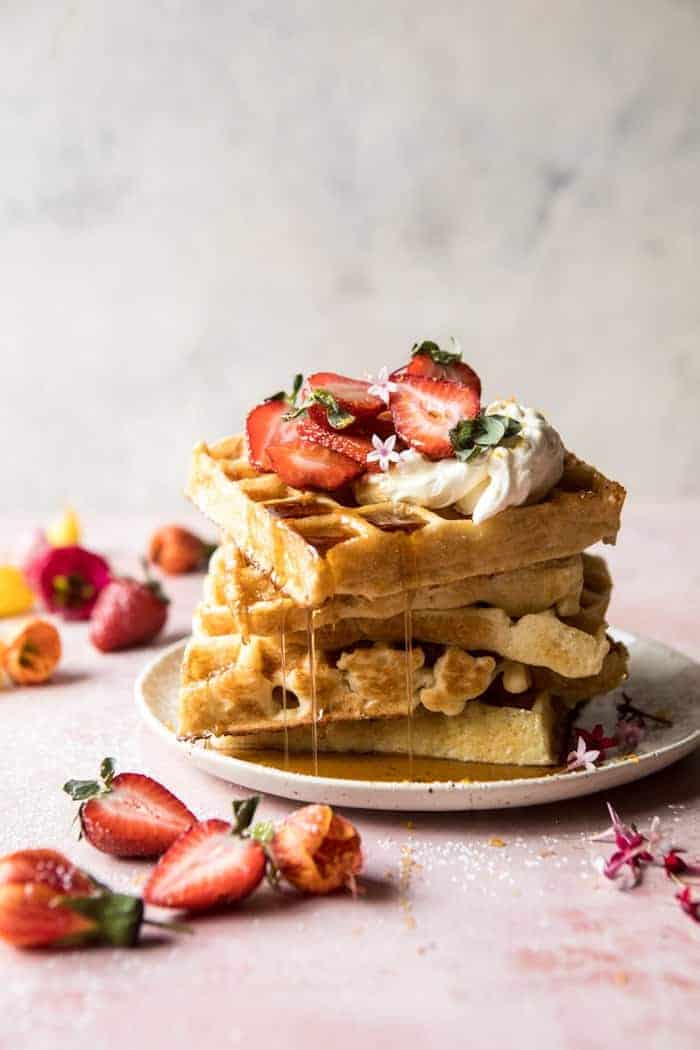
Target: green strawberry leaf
x,y
243,813
441,357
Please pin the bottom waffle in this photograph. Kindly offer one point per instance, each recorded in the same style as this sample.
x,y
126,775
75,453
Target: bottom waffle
x,y
533,735
228,686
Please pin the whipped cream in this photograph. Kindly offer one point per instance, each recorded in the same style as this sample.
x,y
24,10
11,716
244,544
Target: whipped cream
x,y
521,470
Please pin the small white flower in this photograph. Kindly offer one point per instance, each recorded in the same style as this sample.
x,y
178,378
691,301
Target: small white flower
x,y
382,386
383,452
582,759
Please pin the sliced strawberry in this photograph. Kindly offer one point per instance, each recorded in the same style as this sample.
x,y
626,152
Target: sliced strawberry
x,y
354,446
207,866
351,394
456,371
425,410
48,867
129,815
264,427
303,464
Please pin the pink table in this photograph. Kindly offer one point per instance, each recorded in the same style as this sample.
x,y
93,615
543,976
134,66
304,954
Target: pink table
x,y
456,942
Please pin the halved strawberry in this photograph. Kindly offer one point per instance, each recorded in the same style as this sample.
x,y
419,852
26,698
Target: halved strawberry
x,y
129,815
303,464
354,446
209,865
352,395
425,410
265,426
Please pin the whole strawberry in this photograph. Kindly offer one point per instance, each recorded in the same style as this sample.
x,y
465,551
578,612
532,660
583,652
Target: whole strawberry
x,y
128,612
176,550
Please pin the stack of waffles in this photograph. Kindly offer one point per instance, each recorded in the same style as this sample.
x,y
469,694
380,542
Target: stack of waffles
x,y
324,624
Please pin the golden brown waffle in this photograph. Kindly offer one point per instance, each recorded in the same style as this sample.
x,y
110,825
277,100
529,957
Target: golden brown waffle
x,y
481,733
538,639
229,686
316,548
258,607
573,690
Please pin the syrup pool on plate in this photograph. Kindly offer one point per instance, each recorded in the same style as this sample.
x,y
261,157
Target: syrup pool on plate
x,y
383,768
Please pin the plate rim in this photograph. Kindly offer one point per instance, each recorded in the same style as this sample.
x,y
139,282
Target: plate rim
x,y
613,775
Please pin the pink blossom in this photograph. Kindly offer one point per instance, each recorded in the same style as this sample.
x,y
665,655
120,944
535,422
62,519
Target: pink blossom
x,y
582,758
628,733
383,386
383,452
631,852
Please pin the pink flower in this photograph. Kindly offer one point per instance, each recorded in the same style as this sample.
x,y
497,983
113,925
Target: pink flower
x,y
70,580
383,386
628,733
383,452
581,758
631,852
595,738
689,906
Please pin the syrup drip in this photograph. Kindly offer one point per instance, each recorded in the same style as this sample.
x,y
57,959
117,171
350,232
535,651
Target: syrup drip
x,y
311,649
408,575
408,643
283,656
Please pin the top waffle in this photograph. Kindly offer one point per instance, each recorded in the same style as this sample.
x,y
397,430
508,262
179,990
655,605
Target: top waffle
x,y
315,548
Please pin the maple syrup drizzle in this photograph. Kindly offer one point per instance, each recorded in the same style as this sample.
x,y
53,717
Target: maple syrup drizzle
x,y
311,649
408,644
283,656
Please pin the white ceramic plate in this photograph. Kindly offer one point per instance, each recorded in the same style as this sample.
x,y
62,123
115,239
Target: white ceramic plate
x,y
660,679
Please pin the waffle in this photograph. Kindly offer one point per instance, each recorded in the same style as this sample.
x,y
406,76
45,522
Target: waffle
x,y
256,606
229,686
315,548
539,639
481,733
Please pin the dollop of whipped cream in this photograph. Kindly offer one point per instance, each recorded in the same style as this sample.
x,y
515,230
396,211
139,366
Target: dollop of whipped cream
x,y
521,470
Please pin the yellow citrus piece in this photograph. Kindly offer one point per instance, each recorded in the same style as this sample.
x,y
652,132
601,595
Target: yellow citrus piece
x,y
16,596
65,529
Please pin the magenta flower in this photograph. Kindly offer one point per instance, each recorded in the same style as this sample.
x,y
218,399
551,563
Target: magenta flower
x,y
689,906
631,853
596,738
70,580
581,758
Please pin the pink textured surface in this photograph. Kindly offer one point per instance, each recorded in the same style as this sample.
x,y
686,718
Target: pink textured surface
x,y
455,943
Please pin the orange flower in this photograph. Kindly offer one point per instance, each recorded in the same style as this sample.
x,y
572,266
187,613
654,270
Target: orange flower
x,y
317,851
30,657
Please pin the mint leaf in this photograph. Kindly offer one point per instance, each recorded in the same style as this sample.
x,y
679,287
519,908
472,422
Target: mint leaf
x,y
472,436
441,357
338,417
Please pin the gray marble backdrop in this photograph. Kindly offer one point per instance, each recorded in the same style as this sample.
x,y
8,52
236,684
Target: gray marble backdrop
x,y
198,199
